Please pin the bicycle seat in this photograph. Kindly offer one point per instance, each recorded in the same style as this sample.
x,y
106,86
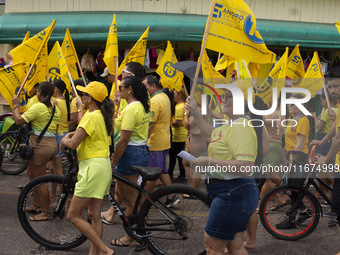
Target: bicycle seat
x,y
148,173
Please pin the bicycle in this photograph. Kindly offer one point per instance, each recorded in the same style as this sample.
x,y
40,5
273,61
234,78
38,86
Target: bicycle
x,y
301,211
164,230
10,143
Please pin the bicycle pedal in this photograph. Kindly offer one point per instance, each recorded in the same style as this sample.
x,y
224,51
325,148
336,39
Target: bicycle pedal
x,y
140,247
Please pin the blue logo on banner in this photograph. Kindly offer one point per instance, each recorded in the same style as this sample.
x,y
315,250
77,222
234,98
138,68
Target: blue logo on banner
x,y
22,95
247,27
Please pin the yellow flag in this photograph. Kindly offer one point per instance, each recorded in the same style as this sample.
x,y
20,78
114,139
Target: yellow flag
x,y
111,49
29,50
337,24
275,79
243,69
27,36
10,81
313,77
57,66
210,75
70,55
233,31
224,62
39,71
295,66
170,75
137,53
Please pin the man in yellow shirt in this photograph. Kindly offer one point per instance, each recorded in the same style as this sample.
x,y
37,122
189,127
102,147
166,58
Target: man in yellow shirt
x,y
159,132
333,84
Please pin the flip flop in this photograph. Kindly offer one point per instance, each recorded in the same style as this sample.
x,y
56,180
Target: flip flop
x,y
119,243
276,207
20,187
105,221
185,196
33,218
35,209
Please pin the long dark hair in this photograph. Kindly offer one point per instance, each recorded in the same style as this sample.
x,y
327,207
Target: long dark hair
x,y
108,109
139,91
170,94
60,84
47,89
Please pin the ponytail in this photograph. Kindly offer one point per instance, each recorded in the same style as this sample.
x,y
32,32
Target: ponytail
x,y
47,89
61,85
107,108
67,99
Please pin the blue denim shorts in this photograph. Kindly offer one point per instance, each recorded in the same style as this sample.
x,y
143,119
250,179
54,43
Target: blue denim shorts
x,y
133,155
58,137
233,202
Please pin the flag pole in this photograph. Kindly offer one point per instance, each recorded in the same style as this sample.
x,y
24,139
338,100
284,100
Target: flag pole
x,y
253,82
323,82
116,72
185,88
237,69
81,73
74,87
205,36
36,57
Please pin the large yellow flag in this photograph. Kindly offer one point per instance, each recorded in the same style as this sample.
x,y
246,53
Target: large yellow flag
x,y
27,36
233,31
275,79
40,70
224,62
137,53
313,78
28,51
337,24
10,81
170,75
111,49
70,55
57,66
295,66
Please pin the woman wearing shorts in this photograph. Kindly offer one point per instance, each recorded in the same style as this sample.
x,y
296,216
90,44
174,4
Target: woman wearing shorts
x,y
39,115
234,193
131,135
91,139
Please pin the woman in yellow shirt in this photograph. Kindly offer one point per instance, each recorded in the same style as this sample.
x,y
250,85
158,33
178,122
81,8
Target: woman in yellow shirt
x,y
39,115
94,176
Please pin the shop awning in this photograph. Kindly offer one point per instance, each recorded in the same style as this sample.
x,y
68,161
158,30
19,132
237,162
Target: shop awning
x,y
93,26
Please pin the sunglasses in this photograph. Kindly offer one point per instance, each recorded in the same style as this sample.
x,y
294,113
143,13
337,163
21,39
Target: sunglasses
x,y
128,72
84,94
120,87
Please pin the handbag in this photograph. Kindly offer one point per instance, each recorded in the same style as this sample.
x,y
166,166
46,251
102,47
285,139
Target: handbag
x,y
27,151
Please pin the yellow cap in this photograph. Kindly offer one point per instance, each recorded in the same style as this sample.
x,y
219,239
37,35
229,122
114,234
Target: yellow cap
x,y
96,89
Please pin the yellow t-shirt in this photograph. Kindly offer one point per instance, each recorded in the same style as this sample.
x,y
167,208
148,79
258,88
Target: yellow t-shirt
x,y
133,118
327,120
33,100
301,128
96,145
179,134
63,124
233,142
40,115
160,113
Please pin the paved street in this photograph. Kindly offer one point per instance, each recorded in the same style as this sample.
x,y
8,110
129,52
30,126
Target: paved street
x,y
15,241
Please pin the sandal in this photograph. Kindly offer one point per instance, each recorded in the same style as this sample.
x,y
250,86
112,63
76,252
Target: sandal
x,y
276,207
40,217
33,209
119,243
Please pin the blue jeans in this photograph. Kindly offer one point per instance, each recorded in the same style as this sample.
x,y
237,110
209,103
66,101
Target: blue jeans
x,y
233,202
133,155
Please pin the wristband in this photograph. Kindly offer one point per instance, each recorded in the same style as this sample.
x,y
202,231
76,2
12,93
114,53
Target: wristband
x,y
15,107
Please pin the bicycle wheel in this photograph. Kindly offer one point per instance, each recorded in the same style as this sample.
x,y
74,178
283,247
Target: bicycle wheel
x,y
12,163
181,227
57,232
287,224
